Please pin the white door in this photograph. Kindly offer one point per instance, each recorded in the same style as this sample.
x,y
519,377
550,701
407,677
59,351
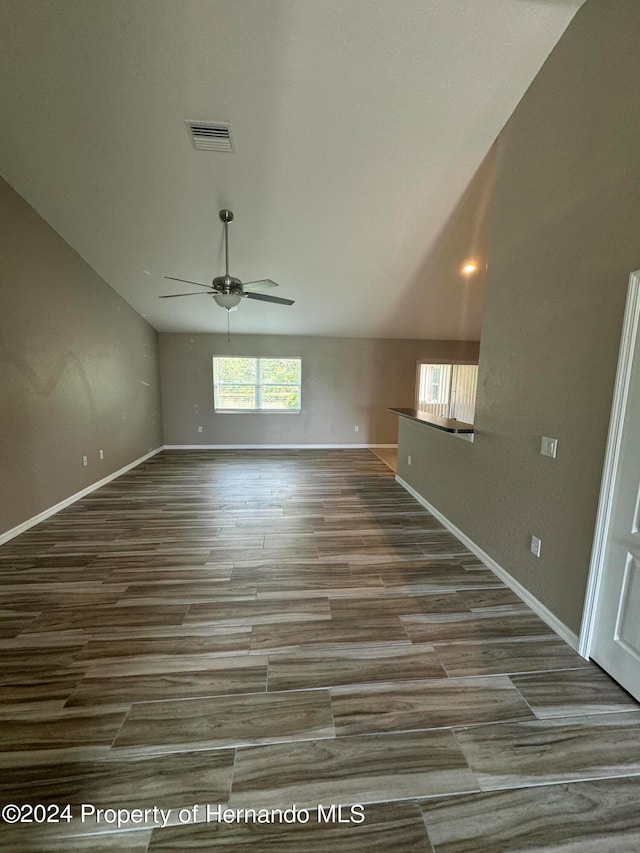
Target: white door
x,y
615,640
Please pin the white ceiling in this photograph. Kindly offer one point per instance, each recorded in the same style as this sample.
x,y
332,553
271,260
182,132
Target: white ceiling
x,y
358,125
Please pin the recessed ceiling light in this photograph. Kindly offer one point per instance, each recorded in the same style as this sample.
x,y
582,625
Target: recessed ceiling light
x,y
469,268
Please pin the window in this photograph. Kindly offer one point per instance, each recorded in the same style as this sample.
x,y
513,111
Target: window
x,y
256,384
448,390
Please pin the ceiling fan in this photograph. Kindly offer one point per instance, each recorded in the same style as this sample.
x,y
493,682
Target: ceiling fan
x,y
227,290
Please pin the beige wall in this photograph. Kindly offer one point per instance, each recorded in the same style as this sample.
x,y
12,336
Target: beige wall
x,y
345,382
78,370
564,236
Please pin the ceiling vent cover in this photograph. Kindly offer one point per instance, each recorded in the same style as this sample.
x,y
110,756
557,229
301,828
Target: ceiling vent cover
x,y
210,136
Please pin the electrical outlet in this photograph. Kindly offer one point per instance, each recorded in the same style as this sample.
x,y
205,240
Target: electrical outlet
x,y
85,461
549,446
409,461
356,428
536,545
101,454
199,429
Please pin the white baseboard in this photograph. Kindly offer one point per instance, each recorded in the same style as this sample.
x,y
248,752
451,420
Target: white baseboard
x,y
36,519
522,592
274,446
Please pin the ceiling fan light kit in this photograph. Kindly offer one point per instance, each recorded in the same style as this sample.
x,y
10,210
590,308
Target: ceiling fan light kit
x,y
227,290
227,300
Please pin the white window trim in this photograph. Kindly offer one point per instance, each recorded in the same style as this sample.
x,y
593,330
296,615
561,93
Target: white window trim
x,y
446,361
258,386
420,361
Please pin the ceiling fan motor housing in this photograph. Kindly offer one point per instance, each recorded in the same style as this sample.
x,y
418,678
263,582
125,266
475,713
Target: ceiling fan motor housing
x,y
227,284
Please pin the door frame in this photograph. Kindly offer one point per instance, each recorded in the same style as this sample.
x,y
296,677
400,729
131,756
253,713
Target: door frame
x,y
628,346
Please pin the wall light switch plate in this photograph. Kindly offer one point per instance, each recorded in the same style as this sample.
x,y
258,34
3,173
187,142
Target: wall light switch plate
x,y
356,428
85,461
199,429
549,446
408,460
101,454
536,546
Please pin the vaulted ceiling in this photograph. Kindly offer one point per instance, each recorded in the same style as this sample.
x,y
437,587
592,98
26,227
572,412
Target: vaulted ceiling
x,y
358,125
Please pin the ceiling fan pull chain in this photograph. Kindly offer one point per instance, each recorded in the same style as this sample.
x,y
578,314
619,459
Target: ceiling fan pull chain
x,y
228,327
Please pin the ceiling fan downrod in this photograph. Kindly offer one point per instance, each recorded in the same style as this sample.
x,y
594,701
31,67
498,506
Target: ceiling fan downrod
x,y
226,216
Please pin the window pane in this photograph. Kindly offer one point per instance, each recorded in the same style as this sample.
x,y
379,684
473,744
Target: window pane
x,y
280,397
256,384
237,370
235,397
434,388
284,371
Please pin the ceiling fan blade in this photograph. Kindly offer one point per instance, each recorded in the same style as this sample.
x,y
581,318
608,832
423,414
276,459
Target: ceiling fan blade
x,y
263,284
186,281
196,293
264,298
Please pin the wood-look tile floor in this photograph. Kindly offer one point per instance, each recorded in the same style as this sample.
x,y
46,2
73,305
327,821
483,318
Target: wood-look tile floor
x,y
258,629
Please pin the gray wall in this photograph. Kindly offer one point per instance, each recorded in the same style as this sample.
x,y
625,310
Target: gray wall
x,y
564,236
78,370
345,381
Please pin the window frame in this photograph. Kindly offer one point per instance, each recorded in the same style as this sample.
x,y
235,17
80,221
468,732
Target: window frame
x,y
446,362
258,385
